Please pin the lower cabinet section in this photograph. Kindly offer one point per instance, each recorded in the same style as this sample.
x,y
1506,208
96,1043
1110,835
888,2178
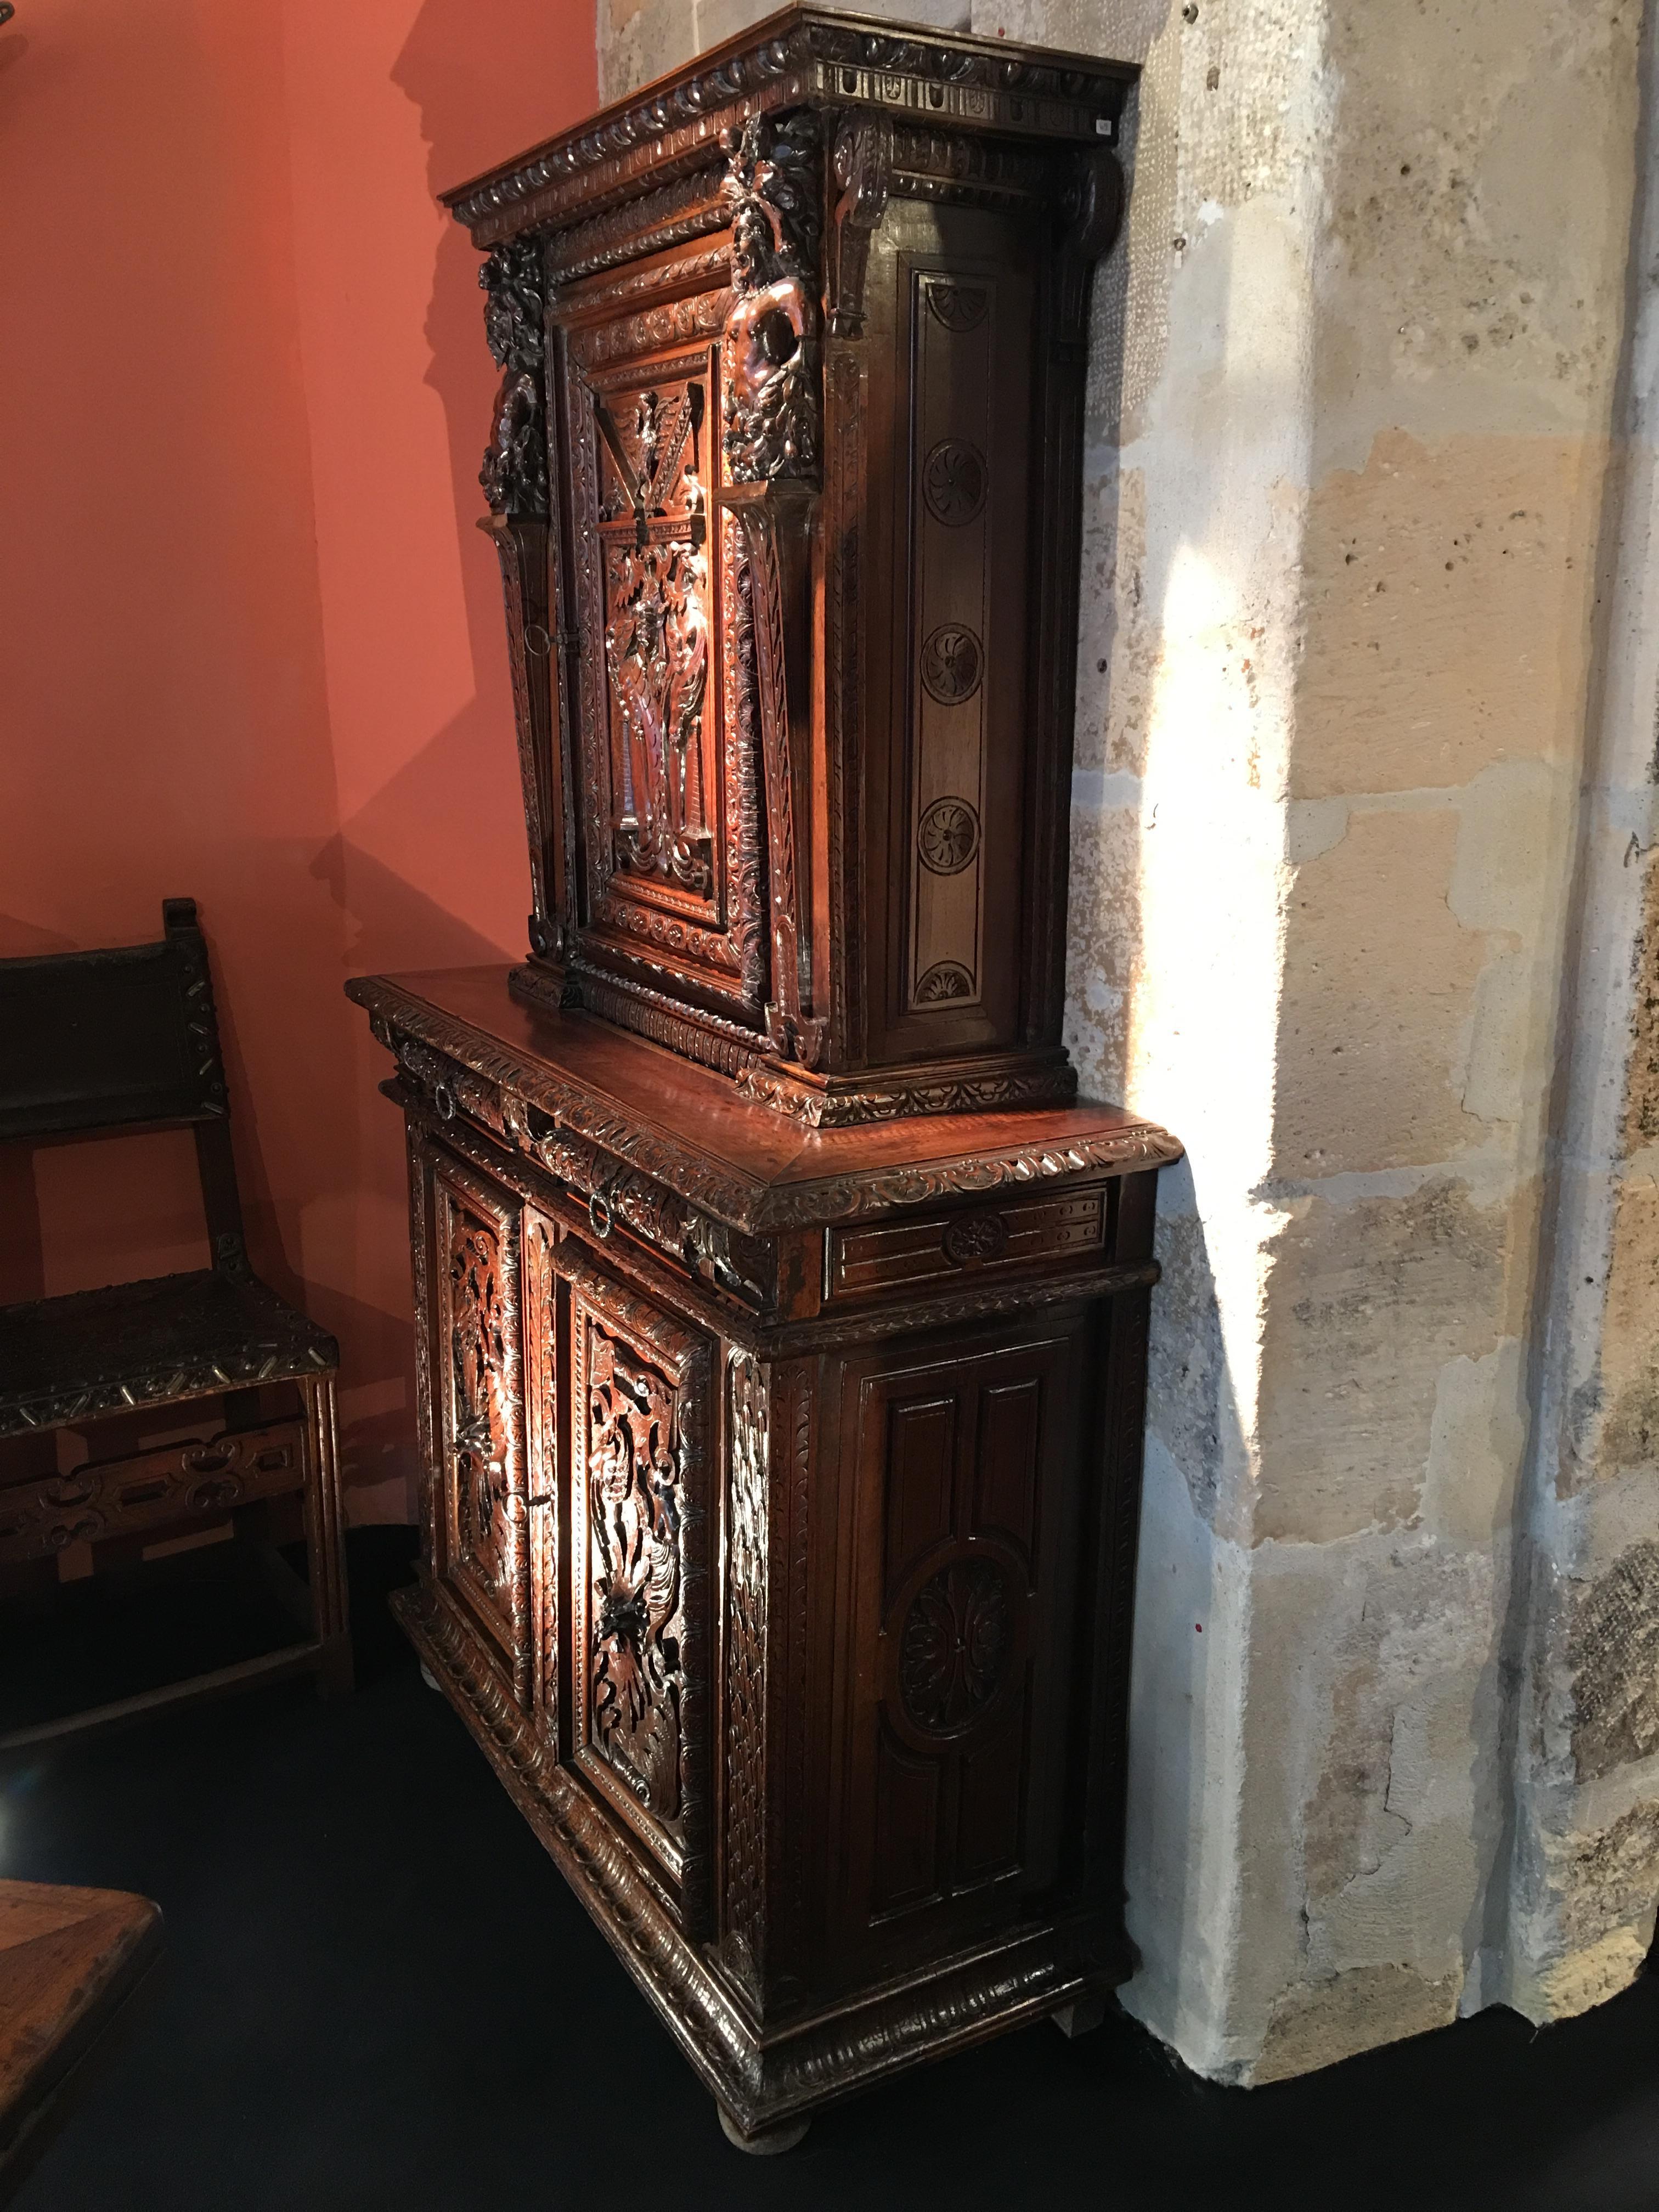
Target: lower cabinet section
x,y
802,1646
962,1630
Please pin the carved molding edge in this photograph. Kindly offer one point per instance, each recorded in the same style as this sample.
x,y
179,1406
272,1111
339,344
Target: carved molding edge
x,y
740,1202
744,1724
920,1092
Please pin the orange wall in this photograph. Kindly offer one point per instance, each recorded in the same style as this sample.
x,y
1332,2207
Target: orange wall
x,y
251,643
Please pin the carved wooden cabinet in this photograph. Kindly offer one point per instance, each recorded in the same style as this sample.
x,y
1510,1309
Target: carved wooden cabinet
x,y
783,1316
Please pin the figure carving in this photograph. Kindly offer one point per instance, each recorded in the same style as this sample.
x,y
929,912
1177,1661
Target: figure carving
x,y
514,471
770,348
656,645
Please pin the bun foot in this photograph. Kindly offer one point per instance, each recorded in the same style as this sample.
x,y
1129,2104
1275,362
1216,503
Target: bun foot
x,y
1081,2018
767,2142
430,1679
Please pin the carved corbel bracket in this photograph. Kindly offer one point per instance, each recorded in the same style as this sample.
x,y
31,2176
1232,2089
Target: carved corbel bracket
x,y
863,165
776,522
1092,210
521,547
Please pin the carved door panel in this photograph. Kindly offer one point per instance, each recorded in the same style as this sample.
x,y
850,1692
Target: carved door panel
x,y
480,1532
669,766
968,1506
641,1434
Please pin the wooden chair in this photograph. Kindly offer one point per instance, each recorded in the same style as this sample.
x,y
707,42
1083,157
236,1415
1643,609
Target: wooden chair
x,y
92,1043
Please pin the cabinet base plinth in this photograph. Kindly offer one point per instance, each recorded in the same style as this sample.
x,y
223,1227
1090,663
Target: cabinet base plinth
x,y
1081,2018
769,2142
763,2087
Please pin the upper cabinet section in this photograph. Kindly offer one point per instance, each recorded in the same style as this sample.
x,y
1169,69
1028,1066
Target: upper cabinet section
x,y
784,475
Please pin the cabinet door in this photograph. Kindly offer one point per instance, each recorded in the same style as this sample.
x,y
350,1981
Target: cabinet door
x,y
479,1533
967,1518
641,1439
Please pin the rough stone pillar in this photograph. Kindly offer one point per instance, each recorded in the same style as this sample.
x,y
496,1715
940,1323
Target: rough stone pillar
x,y
1356,370
1584,1875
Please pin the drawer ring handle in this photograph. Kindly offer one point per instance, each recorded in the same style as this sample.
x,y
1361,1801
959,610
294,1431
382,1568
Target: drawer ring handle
x,y
600,1205
443,1101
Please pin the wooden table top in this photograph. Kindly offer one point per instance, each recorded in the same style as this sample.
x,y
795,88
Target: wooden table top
x,y
68,1957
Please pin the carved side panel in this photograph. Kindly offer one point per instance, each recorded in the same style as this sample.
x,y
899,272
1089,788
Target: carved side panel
x,y
638,1576
483,1550
427,1340
953,323
963,1649
541,1346
747,1458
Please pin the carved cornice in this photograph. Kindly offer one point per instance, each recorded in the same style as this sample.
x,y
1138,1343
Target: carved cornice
x,y
801,55
685,208
603,295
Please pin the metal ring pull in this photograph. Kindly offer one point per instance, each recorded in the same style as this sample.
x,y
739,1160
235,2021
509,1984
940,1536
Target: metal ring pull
x,y
443,1101
537,640
599,1204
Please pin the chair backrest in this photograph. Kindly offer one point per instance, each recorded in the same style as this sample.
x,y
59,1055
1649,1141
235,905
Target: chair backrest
x,y
92,1044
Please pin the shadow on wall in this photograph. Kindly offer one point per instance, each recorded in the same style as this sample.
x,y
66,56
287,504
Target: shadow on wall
x,y
475,112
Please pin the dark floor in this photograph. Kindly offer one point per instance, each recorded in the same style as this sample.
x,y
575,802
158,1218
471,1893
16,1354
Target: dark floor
x,y
378,1992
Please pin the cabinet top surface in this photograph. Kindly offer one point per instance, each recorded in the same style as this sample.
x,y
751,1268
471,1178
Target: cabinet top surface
x,y
803,55
687,1123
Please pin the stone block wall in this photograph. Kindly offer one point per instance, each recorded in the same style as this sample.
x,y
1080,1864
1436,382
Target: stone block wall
x,y
1362,813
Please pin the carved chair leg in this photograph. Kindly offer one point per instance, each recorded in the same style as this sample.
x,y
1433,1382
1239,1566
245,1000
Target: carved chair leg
x,y
1081,2018
325,1537
766,2143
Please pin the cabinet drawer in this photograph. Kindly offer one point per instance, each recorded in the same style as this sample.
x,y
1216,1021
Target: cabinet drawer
x,y
936,1248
